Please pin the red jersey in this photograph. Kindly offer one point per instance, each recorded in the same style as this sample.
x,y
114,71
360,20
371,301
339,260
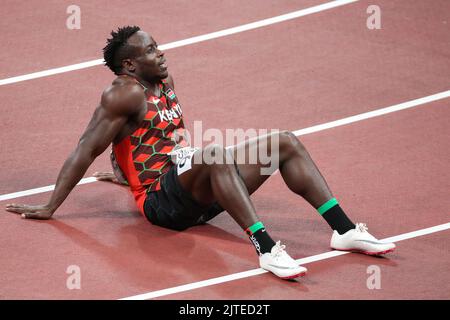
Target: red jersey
x,y
142,156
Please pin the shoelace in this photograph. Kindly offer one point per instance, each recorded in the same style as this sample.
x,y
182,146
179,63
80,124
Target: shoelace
x,y
361,227
279,249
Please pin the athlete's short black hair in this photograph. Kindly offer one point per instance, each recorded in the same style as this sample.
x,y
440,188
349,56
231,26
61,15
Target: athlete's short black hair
x,y
117,48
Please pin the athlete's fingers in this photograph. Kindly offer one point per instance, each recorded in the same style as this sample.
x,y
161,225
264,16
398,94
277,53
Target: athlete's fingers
x,y
104,175
30,212
17,208
10,205
101,173
15,205
20,206
14,210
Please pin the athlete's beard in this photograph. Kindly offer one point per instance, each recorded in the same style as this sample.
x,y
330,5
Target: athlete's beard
x,y
154,79
149,81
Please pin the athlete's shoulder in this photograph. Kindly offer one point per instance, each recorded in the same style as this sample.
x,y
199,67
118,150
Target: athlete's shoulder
x,y
124,95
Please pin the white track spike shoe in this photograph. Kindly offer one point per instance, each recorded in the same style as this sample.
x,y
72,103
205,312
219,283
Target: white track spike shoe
x,y
280,263
360,240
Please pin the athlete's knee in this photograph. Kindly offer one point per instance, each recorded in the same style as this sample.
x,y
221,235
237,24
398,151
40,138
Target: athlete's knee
x,y
289,143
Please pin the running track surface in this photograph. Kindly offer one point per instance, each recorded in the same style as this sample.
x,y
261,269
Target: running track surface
x,y
391,172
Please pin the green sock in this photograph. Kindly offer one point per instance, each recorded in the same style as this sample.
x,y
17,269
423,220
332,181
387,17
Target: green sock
x,y
335,216
260,238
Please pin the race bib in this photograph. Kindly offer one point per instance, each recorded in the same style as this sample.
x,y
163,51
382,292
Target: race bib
x,y
182,158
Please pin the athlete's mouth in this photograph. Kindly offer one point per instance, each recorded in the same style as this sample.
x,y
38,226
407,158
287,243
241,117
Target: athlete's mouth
x,y
163,64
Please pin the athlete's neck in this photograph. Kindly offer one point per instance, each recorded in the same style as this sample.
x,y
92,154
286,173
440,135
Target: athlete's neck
x,y
152,87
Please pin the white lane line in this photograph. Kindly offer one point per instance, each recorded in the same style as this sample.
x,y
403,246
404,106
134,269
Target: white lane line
x,y
260,23
374,113
40,190
324,126
50,72
185,42
255,272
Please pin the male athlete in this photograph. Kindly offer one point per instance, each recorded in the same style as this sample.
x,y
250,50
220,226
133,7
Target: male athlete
x,y
174,187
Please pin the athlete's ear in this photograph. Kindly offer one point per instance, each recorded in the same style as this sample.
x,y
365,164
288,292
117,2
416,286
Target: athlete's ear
x,y
128,64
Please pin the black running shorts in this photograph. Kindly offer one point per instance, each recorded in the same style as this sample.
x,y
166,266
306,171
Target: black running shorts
x,y
173,207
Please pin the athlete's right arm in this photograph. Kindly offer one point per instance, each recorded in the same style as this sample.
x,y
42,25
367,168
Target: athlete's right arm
x,y
118,103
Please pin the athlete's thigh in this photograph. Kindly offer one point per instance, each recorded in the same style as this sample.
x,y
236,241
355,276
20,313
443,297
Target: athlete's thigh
x,y
252,156
194,177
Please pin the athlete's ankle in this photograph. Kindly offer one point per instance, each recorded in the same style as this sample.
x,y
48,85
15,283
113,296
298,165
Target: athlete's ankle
x,y
260,238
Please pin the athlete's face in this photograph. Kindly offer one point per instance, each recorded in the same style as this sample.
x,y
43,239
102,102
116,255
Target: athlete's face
x,y
149,62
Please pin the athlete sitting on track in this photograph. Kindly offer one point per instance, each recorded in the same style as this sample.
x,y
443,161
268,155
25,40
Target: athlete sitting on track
x,y
140,115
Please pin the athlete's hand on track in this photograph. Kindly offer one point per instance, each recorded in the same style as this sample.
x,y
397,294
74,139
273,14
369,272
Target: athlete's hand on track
x,y
106,176
41,212
109,177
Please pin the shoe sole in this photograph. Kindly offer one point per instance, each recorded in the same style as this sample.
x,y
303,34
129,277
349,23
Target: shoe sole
x,y
301,274
366,252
